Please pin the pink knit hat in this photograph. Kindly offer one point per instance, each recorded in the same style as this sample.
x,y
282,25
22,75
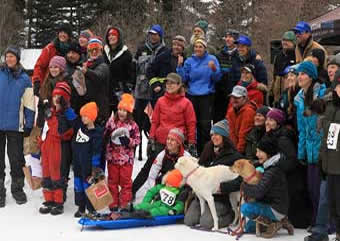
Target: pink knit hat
x,y
58,61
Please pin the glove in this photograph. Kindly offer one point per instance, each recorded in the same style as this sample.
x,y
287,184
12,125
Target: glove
x,y
192,150
36,88
27,132
97,175
63,104
151,147
122,131
172,212
124,140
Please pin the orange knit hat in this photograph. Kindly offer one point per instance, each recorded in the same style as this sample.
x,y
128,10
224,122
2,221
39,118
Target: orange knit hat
x,y
90,110
127,103
174,178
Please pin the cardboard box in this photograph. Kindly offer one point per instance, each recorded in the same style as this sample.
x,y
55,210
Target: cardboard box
x,y
99,195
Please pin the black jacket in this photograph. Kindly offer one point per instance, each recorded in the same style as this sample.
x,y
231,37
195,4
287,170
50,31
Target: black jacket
x,y
252,139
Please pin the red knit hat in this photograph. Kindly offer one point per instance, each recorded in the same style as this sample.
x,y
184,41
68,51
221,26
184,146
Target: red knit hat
x,y
62,89
174,178
90,110
127,103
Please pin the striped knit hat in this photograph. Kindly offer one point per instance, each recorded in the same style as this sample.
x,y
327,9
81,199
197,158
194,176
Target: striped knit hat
x,y
221,128
62,89
94,43
58,61
201,41
178,135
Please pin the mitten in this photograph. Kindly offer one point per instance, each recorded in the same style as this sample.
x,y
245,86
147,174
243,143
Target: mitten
x,y
124,140
172,212
193,150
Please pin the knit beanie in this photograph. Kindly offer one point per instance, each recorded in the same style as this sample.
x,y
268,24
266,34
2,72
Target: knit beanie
x,y
263,110
95,42
277,115
180,40
86,34
114,32
58,61
14,50
127,103
290,36
320,55
75,47
174,77
335,60
90,110
308,68
62,89
268,144
174,178
65,27
202,24
178,135
201,41
232,32
221,128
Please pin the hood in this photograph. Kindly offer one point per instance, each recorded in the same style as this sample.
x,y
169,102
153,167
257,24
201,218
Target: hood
x,y
120,39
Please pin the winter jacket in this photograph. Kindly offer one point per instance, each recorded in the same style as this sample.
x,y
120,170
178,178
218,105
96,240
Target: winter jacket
x,y
119,154
158,201
309,136
252,139
255,92
225,157
260,69
281,61
272,188
198,76
240,123
173,110
17,105
144,57
120,64
230,74
97,84
330,154
41,66
301,53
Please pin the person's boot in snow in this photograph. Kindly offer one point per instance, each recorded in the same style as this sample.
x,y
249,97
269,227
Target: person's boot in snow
x,y
80,212
46,208
18,192
57,209
2,193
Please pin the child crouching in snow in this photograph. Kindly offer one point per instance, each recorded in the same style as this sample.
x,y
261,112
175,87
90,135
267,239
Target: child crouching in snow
x,y
53,152
120,152
86,150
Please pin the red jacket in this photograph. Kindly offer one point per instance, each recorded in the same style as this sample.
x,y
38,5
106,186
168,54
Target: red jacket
x,y
254,93
173,111
240,123
41,66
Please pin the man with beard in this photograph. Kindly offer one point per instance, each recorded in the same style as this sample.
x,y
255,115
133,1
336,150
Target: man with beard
x,y
285,58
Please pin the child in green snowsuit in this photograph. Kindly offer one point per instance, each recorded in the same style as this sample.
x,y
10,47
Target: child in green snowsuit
x,y
165,199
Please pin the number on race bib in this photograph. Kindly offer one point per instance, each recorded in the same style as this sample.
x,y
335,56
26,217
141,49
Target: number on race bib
x,y
167,197
333,136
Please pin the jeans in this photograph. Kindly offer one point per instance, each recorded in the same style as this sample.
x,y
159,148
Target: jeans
x,y
322,216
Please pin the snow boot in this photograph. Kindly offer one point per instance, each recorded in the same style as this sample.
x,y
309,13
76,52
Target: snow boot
x,y
271,226
80,212
2,193
46,208
57,209
18,192
287,225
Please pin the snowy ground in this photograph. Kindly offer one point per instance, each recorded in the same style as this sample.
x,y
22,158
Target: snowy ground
x,y
23,222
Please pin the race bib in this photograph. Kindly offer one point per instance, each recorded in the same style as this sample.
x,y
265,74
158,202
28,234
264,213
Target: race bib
x,y
167,197
81,137
333,136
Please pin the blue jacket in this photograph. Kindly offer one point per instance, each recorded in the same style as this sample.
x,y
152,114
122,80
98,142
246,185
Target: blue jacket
x,y
260,68
198,76
17,106
309,137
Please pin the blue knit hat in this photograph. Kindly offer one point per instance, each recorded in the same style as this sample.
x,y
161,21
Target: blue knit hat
x,y
221,128
308,68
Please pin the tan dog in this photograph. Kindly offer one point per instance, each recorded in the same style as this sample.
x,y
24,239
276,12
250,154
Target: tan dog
x,y
247,171
205,181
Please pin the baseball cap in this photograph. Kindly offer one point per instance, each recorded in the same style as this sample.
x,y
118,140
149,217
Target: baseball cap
x,y
302,27
239,91
242,39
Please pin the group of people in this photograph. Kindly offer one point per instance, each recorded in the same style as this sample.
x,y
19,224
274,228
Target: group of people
x,y
214,105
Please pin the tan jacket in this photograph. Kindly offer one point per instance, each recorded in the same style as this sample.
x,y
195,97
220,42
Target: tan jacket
x,y
308,52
